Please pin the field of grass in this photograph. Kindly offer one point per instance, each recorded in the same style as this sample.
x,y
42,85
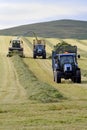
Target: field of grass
x,y
31,100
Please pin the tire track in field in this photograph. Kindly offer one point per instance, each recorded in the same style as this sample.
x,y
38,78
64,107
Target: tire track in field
x,y
38,65
77,43
45,63
27,47
10,89
83,42
53,41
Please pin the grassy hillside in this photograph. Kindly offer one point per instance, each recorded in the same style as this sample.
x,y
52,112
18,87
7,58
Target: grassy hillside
x,y
54,29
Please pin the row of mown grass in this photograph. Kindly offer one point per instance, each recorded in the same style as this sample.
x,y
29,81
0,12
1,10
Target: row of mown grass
x,y
36,90
69,114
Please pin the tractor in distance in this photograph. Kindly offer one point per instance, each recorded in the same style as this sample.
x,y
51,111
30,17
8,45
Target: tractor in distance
x,y
64,63
15,47
39,48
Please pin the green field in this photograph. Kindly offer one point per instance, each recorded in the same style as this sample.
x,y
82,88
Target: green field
x,y
31,100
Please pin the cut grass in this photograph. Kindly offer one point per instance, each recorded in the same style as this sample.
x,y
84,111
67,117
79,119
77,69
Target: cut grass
x,y
28,42
83,65
36,90
70,114
67,115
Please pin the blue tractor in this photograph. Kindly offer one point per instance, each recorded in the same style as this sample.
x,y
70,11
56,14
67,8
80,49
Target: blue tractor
x,y
39,48
64,64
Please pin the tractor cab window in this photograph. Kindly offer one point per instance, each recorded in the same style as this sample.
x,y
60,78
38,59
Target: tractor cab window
x,y
66,59
16,44
39,47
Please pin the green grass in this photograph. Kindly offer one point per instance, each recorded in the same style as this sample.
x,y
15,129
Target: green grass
x,y
36,90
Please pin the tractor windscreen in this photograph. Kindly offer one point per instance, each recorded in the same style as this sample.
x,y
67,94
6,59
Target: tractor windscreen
x,y
41,47
66,59
16,44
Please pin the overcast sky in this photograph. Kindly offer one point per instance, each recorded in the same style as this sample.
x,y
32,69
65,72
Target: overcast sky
x,y
21,12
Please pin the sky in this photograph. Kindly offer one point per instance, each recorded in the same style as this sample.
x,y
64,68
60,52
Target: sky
x,y
21,12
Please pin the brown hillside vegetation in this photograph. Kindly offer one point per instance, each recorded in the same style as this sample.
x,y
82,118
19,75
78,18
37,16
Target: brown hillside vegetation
x,y
31,100
60,28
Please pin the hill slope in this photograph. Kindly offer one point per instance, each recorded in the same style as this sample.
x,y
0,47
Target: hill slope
x,y
56,29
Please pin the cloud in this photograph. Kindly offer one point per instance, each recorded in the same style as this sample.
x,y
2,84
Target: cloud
x,y
14,14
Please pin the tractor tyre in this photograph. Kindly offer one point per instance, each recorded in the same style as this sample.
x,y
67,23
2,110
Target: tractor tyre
x,y
34,56
74,79
44,56
7,55
57,77
78,76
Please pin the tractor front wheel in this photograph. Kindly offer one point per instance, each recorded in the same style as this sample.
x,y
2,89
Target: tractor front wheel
x,y
57,77
78,76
